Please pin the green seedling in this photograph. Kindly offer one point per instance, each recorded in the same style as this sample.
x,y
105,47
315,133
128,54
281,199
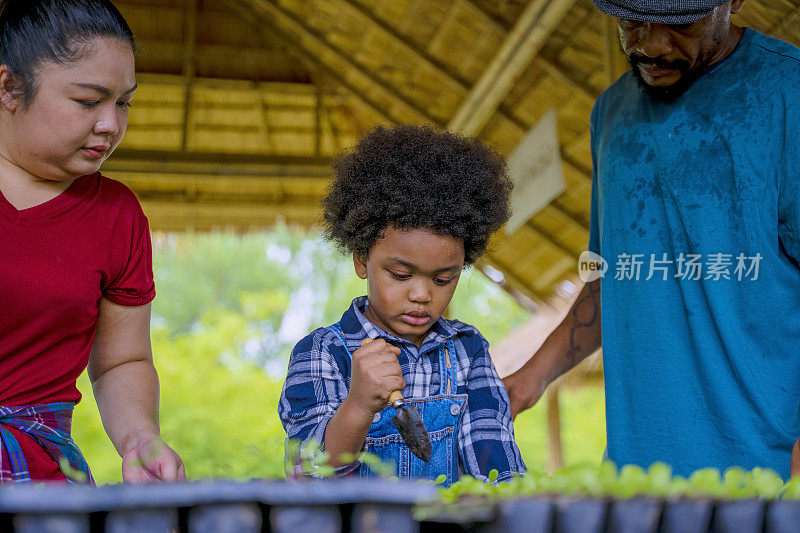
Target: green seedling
x,y
791,490
69,472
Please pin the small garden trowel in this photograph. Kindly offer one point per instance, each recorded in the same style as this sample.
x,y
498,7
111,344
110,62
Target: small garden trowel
x,y
409,423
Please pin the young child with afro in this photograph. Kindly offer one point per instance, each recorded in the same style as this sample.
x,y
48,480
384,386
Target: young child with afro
x,y
414,206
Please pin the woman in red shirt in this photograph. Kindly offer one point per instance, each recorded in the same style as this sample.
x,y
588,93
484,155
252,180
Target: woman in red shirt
x,y
76,277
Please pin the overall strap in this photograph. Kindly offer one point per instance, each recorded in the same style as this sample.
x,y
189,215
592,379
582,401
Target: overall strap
x,y
448,369
337,330
48,425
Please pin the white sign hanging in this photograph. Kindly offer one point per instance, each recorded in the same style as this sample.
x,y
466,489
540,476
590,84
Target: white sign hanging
x,y
535,168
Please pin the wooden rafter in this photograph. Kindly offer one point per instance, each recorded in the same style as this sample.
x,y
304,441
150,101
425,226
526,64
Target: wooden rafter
x,y
179,216
188,68
616,64
263,115
585,22
512,281
563,250
318,111
337,65
552,66
207,190
446,71
788,21
212,164
560,73
521,45
332,131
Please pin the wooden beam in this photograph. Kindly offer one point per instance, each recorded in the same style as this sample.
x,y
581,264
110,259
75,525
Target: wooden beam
x,y
245,14
559,269
444,27
552,66
458,82
616,62
264,87
513,282
228,165
318,110
198,196
445,70
345,110
332,130
337,65
180,191
560,73
555,455
263,115
180,216
522,44
584,23
188,69
785,23
540,234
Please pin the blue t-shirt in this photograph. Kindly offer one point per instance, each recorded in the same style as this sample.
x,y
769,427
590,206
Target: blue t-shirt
x,y
702,196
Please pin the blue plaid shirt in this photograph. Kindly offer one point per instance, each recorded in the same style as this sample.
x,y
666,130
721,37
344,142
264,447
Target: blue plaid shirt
x,y
318,381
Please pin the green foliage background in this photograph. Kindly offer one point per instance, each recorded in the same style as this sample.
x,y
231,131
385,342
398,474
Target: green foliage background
x,y
221,351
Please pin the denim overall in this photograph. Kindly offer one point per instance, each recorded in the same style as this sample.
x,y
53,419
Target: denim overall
x,y
441,415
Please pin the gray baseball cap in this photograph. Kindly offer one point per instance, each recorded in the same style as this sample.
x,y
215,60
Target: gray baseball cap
x,y
659,11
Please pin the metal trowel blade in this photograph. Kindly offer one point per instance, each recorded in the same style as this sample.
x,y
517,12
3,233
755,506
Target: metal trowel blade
x,y
409,424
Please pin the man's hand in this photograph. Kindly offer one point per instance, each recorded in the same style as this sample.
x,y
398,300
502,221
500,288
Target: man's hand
x,y
523,391
796,459
376,373
146,458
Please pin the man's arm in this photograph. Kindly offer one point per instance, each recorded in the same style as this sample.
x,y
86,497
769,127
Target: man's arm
x,y
577,337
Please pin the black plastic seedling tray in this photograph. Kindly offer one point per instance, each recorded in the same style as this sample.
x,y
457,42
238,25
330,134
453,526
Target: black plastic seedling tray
x,y
366,506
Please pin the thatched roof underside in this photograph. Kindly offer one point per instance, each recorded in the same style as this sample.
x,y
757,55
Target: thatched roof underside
x,y
242,102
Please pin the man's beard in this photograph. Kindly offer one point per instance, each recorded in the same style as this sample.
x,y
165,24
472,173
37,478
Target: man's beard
x,y
670,93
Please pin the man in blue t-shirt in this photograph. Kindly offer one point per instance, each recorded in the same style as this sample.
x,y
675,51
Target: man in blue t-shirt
x,y
696,213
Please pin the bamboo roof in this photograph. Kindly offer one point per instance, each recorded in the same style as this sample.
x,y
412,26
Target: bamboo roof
x,y
241,103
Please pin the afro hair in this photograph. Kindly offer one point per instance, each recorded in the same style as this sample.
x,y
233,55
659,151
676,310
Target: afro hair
x,y
417,177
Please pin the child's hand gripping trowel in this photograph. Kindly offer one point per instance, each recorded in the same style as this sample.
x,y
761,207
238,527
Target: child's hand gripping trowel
x,y
409,423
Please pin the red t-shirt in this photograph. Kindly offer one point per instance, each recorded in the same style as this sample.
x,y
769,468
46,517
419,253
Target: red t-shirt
x,y
57,260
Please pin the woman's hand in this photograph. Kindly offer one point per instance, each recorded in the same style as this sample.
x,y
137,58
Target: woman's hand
x,y
146,458
796,459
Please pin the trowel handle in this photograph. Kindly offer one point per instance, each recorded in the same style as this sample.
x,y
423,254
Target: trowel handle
x,y
396,399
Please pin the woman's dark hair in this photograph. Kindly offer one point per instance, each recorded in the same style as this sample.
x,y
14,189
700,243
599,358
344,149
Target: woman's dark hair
x,y
416,177
33,32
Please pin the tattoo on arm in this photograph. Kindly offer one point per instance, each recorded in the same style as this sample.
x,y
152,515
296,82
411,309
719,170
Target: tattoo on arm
x,y
585,314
